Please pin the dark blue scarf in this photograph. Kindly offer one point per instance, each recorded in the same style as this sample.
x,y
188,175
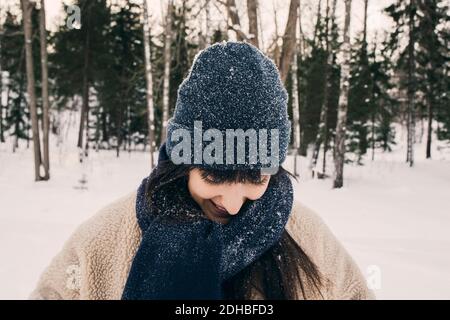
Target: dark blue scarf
x,y
184,255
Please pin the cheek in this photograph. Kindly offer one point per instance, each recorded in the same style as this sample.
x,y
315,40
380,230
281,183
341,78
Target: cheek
x,y
201,189
207,192
256,192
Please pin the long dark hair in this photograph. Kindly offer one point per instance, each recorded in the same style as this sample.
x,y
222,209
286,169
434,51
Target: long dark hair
x,y
277,273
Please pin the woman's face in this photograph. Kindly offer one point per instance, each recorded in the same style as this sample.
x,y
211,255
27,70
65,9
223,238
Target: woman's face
x,y
220,202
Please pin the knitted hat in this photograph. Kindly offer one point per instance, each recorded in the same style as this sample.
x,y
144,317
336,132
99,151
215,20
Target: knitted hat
x,y
231,92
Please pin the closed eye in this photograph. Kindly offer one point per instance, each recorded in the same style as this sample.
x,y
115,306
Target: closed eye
x,y
216,180
262,181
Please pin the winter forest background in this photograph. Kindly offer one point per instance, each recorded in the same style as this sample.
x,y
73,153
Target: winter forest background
x,y
83,107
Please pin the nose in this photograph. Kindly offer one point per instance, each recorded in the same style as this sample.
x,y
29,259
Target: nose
x,y
233,199
232,206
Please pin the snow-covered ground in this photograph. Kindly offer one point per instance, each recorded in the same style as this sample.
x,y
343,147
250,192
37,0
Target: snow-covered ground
x,y
394,220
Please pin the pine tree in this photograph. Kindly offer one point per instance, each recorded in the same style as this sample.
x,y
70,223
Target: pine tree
x,y
312,86
16,122
404,14
432,56
382,106
121,88
74,51
422,61
359,96
17,116
323,130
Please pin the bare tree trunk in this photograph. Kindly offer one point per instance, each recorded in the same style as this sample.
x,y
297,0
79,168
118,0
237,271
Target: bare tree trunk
x,y
366,6
301,36
85,103
324,158
339,156
28,32
233,21
431,101
295,112
373,134
149,82
167,60
204,36
86,131
274,48
45,100
374,109
411,88
289,40
260,27
316,28
296,101
430,128
327,97
129,127
252,11
207,24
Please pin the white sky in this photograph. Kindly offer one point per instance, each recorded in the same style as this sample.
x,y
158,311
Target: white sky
x,y
377,21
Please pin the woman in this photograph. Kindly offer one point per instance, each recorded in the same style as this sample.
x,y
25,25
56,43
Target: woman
x,y
215,219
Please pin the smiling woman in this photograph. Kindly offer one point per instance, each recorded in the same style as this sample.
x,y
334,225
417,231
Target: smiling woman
x,y
211,230
221,196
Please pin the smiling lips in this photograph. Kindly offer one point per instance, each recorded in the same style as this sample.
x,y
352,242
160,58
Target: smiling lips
x,y
220,211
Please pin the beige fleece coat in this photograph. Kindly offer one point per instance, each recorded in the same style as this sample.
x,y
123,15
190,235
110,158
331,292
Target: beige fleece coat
x,y
95,261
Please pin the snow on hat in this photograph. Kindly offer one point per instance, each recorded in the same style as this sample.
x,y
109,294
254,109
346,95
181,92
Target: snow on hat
x,y
231,87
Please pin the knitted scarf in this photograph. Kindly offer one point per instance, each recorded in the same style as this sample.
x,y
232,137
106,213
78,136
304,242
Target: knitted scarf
x,y
184,255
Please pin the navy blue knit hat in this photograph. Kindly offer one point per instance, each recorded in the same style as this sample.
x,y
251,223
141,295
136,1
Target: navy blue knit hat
x,y
230,86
